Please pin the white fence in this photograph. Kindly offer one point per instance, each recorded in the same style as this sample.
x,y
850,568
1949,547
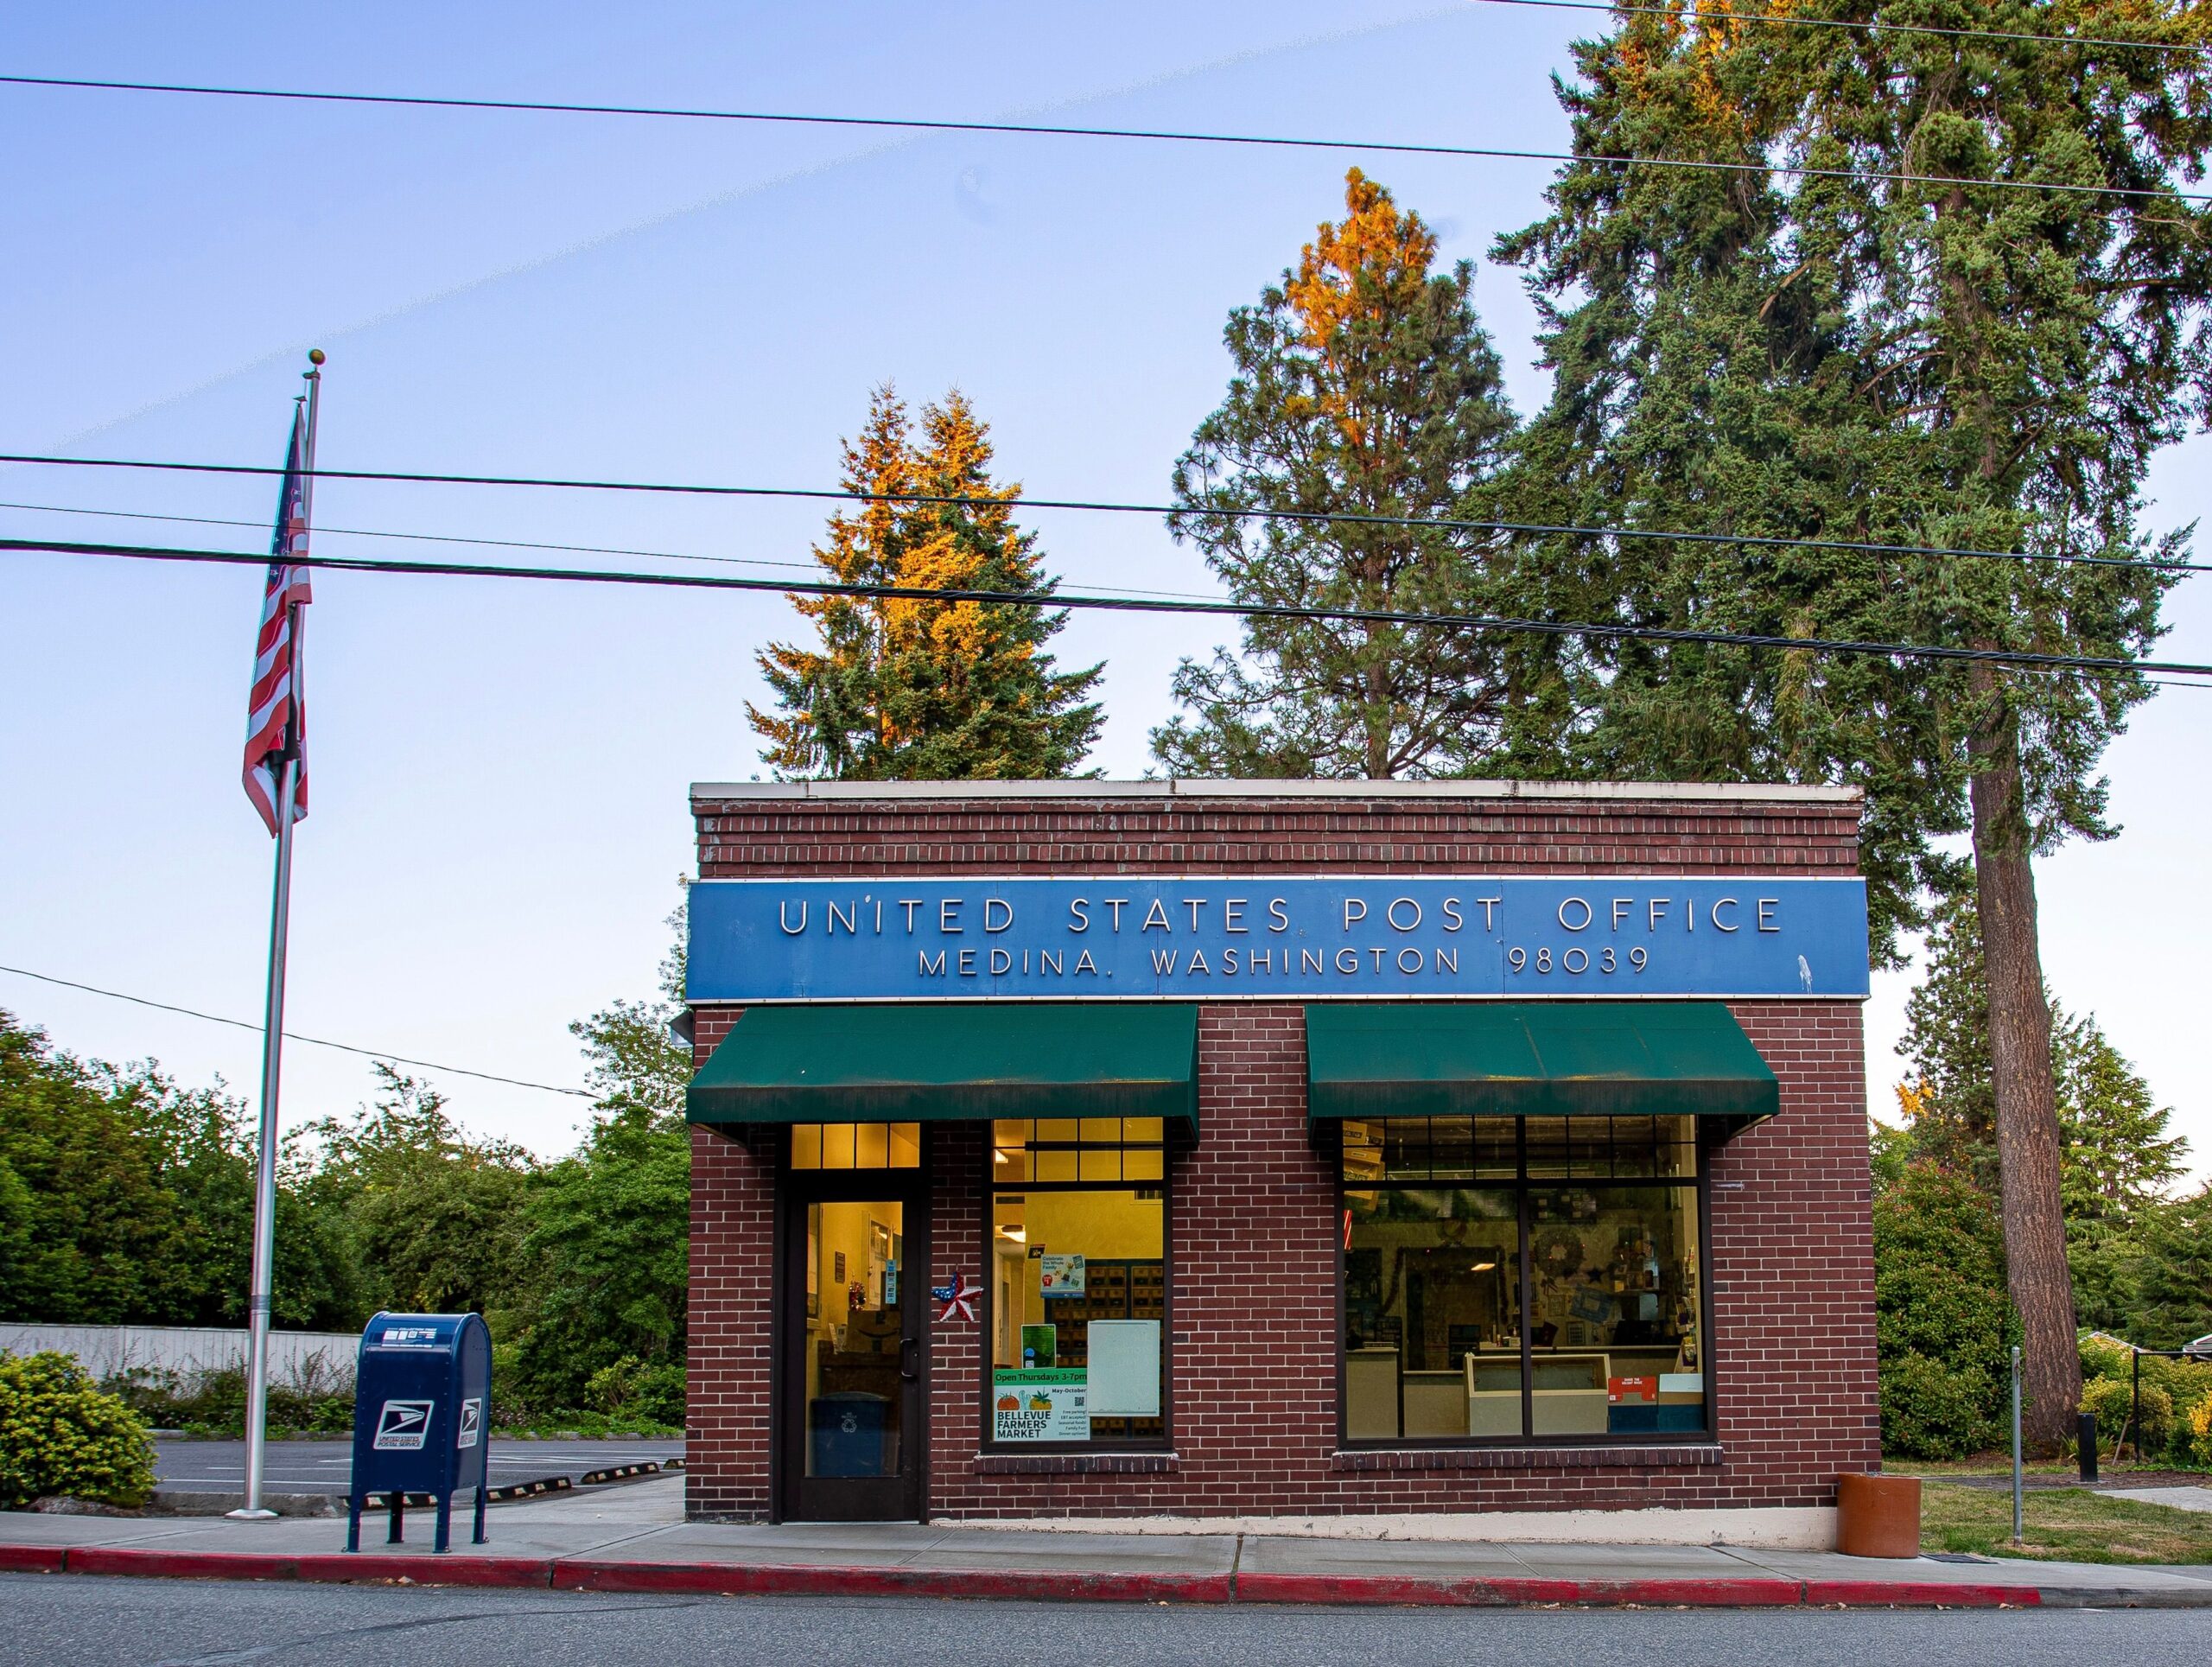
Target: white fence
x,y
108,1351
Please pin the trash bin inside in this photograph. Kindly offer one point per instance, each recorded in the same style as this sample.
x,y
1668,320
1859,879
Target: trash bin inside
x,y
849,1435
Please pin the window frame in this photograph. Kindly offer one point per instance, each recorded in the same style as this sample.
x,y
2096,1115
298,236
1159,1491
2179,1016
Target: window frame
x,y
987,1327
1521,1185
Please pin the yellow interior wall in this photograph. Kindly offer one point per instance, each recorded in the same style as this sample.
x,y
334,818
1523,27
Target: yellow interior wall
x,y
1105,1226
1111,1226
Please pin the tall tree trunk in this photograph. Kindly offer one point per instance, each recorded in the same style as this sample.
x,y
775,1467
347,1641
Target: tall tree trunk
x,y
2019,1047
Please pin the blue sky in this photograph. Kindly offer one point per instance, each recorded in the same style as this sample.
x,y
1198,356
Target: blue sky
x,y
499,771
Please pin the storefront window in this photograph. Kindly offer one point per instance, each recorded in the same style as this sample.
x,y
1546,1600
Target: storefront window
x,y
1484,1300
856,1146
1079,1288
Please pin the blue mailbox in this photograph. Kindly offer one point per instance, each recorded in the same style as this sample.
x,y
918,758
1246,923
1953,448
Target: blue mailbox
x,y
422,1418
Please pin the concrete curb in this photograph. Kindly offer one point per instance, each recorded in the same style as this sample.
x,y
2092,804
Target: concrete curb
x,y
735,1579
587,1575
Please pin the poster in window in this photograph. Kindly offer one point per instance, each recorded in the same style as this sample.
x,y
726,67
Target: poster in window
x,y
1061,1276
1041,1406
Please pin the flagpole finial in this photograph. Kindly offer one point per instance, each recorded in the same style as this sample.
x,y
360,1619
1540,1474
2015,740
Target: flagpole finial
x,y
315,357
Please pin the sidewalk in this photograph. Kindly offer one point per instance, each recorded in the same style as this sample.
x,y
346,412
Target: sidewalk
x,y
633,1539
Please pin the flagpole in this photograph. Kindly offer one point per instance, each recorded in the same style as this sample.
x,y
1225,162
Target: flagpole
x,y
264,1193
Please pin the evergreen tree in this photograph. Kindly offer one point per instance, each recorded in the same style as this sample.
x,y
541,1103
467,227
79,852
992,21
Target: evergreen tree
x,y
1950,1106
903,689
1362,386
1927,361
2118,1156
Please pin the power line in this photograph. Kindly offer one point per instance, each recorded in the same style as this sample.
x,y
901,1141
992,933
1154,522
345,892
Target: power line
x,y
500,543
1722,14
545,106
1339,517
294,1035
2025,659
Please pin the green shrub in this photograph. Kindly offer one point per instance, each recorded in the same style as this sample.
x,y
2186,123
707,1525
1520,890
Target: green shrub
x,y
659,1393
2185,1382
2156,1409
631,1388
1932,1409
58,1433
2105,1357
214,1402
2108,1398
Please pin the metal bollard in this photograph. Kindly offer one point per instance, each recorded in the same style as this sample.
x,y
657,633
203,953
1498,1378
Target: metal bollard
x,y
2085,1442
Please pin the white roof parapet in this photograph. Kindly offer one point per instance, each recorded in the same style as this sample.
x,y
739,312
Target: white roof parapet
x,y
1093,788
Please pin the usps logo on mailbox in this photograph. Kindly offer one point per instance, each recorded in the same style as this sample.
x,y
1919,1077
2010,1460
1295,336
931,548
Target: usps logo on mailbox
x,y
402,1424
471,1422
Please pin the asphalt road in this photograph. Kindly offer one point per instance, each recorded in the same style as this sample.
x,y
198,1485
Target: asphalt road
x,y
58,1620
324,1467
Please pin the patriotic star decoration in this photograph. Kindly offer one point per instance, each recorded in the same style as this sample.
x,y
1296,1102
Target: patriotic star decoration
x,y
958,1300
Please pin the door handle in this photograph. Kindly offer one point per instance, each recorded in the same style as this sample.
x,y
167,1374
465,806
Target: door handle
x,y
910,1372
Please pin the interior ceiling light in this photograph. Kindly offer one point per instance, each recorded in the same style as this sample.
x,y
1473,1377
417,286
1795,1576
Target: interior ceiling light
x,y
1019,1235
1481,1267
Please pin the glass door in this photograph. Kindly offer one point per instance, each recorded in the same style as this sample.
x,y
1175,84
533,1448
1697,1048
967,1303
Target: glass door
x,y
854,1330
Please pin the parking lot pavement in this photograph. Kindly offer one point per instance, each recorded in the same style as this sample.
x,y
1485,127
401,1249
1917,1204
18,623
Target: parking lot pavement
x,y
325,1467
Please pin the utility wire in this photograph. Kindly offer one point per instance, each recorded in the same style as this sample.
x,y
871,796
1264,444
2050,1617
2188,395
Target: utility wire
x,y
1702,13
503,543
2022,659
1163,135
294,1035
1335,517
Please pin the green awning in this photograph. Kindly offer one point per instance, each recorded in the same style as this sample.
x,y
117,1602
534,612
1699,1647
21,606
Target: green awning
x,y
1533,1059
932,1062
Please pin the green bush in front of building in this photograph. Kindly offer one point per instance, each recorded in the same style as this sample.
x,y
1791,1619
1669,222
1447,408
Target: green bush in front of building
x,y
60,1435
1943,1325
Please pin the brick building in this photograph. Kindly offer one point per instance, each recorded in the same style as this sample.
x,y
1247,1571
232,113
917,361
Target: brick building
x,y
1234,1150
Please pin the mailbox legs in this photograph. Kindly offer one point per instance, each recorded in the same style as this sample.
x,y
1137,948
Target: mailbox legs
x,y
395,1535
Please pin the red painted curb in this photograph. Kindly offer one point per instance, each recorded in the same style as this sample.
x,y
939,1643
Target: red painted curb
x,y
1919,1594
1401,1590
333,1566
1693,1592
589,1575
592,1574
1506,1591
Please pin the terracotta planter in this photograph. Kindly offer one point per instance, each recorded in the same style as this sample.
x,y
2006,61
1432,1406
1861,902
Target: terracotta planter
x,y
1878,1516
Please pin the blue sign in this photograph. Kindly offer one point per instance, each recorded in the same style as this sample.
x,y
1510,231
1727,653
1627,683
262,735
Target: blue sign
x,y
1257,938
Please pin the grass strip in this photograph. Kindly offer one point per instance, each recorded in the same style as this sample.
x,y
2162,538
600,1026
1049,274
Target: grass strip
x,y
2063,1524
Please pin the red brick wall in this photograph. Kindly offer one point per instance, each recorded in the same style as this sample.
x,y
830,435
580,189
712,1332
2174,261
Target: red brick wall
x,y
1252,1358
726,1375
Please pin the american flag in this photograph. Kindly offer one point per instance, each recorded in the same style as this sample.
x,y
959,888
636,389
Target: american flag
x,y
275,723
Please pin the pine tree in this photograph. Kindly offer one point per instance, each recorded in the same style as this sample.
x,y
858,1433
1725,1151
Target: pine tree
x,y
903,689
2118,1153
1927,360
1950,1105
1362,384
